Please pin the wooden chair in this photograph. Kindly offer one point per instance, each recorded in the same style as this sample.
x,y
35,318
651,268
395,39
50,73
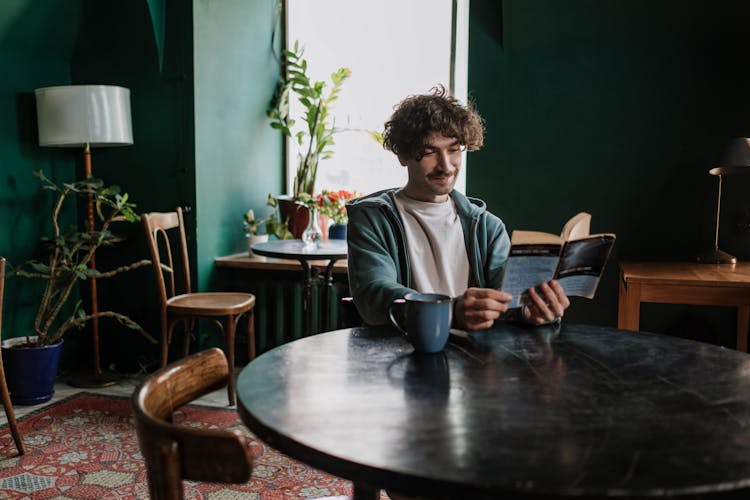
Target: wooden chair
x,y
224,309
9,413
173,452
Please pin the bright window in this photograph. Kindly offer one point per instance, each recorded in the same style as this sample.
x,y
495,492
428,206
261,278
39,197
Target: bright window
x,y
394,48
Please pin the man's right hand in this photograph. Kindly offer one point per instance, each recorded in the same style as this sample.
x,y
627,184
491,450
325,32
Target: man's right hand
x,y
478,308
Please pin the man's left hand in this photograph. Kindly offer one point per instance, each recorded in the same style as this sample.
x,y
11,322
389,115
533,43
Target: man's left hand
x,y
546,306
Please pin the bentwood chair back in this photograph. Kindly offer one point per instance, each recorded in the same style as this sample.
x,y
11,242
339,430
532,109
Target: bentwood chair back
x,y
179,304
9,413
173,452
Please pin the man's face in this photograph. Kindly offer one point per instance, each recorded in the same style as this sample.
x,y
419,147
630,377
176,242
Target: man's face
x,y
433,173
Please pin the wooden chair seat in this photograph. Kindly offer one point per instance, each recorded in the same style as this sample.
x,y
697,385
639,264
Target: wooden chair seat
x,y
182,306
211,303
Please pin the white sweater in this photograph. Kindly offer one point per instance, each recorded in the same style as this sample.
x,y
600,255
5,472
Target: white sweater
x,y
436,246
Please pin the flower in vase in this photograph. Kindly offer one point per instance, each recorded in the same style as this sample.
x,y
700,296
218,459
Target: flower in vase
x,y
332,204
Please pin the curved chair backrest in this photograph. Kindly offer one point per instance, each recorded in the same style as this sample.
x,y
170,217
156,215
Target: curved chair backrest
x,y
158,227
173,452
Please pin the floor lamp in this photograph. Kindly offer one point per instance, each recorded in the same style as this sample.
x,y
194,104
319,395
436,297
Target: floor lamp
x,y
86,116
736,161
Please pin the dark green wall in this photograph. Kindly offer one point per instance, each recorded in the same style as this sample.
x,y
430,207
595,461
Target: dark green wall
x,y
117,44
216,158
29,62
615,108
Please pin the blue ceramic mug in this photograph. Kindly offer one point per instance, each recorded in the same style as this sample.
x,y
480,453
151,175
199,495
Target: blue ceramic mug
x,y
425,319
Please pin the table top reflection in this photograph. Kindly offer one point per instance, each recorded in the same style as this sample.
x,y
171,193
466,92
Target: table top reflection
x,y
296,249
581,411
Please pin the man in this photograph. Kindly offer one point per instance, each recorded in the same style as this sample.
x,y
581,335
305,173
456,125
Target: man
x,y
426,236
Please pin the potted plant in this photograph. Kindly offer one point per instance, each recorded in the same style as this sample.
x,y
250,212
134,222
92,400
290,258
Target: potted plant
x,y
259,230
315,138
68,254
252,230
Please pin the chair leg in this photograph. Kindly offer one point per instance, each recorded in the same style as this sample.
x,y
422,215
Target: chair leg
x,y
229,338
189,327
9,413
250,335
165,338
163,472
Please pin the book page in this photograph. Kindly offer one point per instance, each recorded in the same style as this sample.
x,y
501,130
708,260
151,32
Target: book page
x,y
533,237
581,264
528,266
579,226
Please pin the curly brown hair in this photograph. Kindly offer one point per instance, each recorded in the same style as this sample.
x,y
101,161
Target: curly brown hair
x,y
418,116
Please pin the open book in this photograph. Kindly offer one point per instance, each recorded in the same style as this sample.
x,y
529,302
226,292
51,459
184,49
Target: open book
x,y
575,259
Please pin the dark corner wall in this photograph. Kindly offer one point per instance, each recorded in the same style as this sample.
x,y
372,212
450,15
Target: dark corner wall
x,y
199,87
618,109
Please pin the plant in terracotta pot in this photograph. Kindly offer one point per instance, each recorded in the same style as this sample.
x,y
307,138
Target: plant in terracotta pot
x,y
68,254
315,137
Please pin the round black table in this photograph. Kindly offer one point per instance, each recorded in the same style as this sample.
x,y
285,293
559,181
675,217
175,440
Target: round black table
x,y
330,250
581,411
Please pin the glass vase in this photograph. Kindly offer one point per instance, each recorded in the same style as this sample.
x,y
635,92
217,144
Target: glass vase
x,y
312,234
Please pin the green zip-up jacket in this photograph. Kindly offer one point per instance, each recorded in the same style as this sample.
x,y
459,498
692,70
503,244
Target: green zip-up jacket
x,y
379,268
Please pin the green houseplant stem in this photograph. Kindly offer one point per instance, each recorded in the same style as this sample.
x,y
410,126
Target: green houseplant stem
x,y
316,137
69,253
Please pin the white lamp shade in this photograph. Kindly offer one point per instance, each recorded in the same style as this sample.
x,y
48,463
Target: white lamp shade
x,y
76,115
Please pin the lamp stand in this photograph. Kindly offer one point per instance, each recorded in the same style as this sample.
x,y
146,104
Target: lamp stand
x,y
716,256
97,378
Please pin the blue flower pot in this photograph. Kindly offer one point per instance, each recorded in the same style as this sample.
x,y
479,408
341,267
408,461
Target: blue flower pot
x,y
30,371
337,232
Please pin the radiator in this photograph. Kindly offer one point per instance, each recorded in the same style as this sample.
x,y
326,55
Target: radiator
x,y
279,313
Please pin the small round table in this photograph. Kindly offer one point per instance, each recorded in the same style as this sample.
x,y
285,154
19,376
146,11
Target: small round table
x,y
330,250
584,411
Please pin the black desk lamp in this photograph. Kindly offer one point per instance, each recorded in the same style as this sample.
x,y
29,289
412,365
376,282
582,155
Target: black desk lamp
x,y
736,161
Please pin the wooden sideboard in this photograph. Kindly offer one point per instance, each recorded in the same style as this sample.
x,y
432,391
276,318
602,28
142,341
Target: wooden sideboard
x,y
685,283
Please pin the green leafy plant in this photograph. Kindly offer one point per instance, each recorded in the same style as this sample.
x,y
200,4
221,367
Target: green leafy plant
x,y
278,228
315,139
251,224
68,257
271,223
274,225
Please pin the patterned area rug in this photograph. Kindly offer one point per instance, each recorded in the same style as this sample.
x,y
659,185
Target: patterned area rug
x,y
85,446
